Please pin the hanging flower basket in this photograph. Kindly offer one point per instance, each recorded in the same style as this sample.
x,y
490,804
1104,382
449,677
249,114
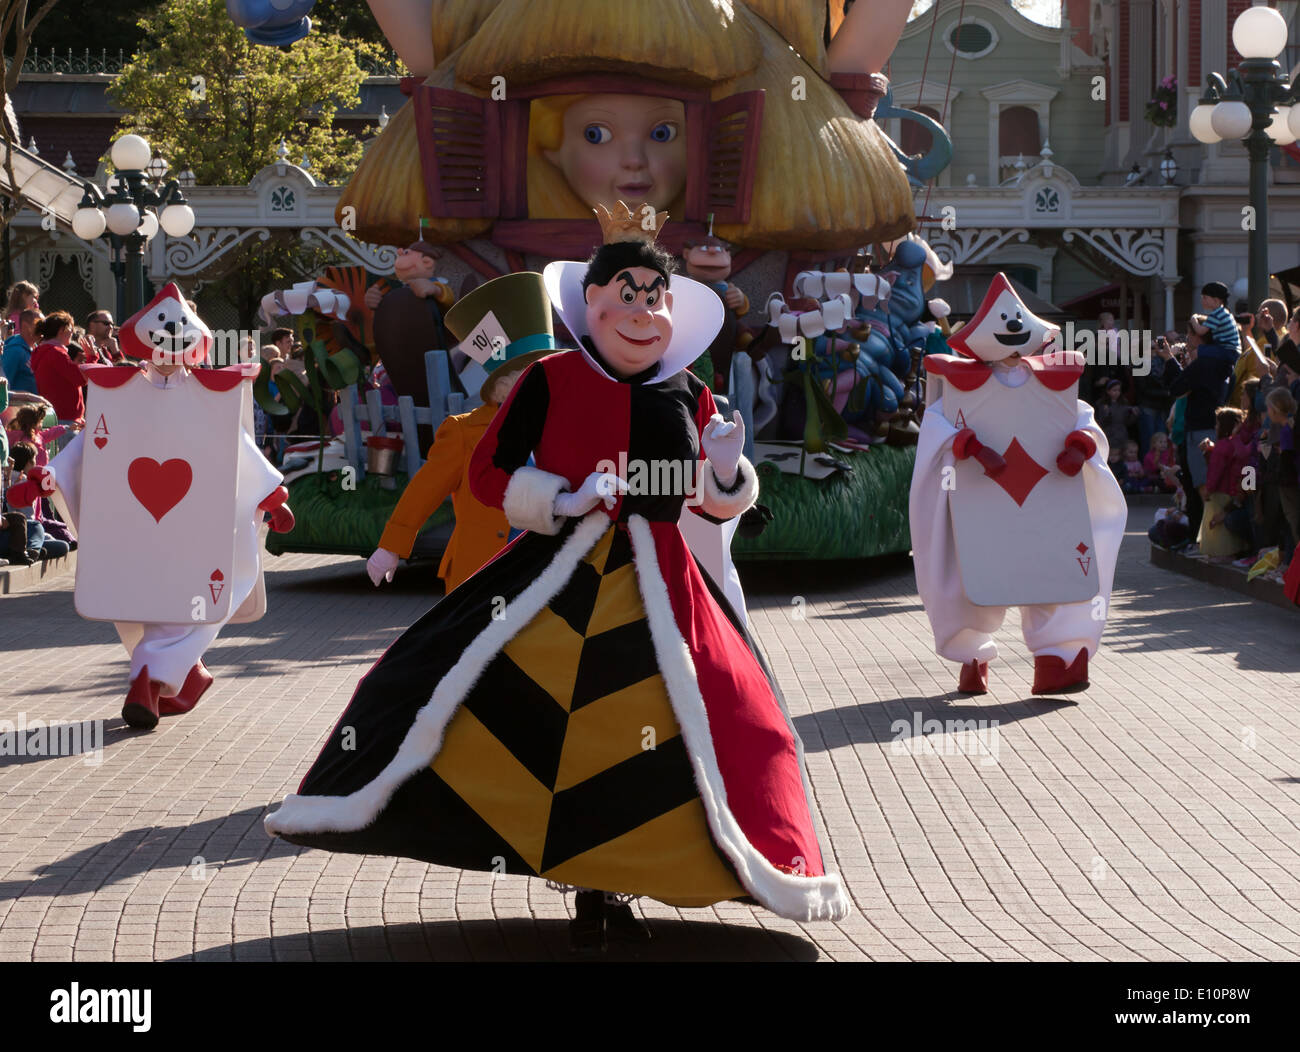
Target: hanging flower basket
x,y
1162,110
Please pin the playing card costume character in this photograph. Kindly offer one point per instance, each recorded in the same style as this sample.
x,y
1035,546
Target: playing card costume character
x,y
1012,503
166,489
585,708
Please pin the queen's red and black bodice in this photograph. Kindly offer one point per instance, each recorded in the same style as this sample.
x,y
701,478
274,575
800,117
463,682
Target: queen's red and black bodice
x,y
586,707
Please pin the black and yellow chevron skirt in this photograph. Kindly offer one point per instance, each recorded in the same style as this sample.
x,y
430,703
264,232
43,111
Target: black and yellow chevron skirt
x,y
564,759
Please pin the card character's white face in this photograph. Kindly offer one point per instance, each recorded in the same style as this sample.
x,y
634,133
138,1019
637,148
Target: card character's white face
x,y
176,335
1009,328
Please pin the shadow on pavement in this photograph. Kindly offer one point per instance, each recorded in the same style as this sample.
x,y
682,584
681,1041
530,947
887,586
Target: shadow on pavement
x,y
514,939
226,840
899,721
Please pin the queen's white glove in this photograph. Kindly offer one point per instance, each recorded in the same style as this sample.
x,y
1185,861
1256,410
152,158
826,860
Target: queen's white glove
x,y
382,565
598,486
723,441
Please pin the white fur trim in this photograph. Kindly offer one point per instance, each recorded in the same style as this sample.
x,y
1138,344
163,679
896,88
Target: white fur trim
x,y
530,500
796,898
728,505
338,814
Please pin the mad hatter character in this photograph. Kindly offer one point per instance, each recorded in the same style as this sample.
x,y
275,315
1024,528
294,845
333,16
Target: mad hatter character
x,y
506,326
597,717
1012,503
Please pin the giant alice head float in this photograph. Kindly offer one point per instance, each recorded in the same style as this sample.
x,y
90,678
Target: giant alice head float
x,y
167,332
626,305
1002,327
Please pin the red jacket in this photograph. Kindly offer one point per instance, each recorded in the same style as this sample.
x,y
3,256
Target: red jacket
x,y
59,380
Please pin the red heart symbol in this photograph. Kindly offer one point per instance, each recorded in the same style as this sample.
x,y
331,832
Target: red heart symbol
x,y
159,487
101,441
217,575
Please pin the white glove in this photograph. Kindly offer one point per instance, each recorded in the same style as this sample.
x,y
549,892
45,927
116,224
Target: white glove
x,y
723,442
598,486
382,565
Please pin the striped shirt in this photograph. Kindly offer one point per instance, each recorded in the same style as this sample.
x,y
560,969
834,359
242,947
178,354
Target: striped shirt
x,y
1223,328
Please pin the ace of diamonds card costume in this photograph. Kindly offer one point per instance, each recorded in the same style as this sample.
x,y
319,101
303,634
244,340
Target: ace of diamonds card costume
x,y
166,488
586,707
1012,503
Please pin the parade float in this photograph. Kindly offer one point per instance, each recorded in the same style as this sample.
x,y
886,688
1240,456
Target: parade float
x,y
749,123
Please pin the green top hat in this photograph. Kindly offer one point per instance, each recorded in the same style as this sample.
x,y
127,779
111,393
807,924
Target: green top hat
x,y
504,325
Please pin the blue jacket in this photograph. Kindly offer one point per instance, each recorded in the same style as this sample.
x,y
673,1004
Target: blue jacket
x,y
18,365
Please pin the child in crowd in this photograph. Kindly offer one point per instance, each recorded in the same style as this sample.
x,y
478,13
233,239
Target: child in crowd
x,y
26,427
1281,406
1222,487
24,497
1115,416
1222,337
1135,476
1115,461
1160,465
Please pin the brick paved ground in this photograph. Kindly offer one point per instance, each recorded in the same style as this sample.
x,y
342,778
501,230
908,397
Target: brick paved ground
x,y
1154,819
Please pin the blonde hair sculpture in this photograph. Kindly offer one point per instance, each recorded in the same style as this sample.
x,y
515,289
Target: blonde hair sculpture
x,y
825,178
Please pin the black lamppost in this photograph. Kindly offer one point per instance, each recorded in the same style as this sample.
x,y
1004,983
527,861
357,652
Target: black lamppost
x,y
132,211
1252,103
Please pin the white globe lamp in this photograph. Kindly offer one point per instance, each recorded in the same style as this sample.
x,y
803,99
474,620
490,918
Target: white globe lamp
x,y
1259,32
123,219
1201,123
1231,120
88,223
130,152
177,220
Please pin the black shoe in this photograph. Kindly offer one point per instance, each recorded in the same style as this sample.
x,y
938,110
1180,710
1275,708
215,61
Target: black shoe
x,y
621,925
587,929
22,558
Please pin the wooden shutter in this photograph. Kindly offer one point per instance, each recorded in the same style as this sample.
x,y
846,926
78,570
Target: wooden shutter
x,y
460,152
734,125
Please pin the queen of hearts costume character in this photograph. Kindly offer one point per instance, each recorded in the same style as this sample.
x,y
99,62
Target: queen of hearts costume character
x,y
1012,503
166,489
586,707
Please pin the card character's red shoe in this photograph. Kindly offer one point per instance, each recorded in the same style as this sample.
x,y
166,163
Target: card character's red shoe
x,y
974,678
194,687
141,706
1053,676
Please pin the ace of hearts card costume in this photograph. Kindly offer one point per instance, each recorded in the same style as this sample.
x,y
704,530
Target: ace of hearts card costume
x,y
166,488
586,707
1012,503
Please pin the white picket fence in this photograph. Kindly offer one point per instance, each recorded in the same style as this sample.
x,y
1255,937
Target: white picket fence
x,y
404,419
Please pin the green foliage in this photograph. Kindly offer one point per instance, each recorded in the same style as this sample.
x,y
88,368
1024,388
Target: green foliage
x,y
856,514
227,125
333,519
326,374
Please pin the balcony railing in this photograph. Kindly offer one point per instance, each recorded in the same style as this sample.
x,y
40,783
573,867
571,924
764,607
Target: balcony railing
x,y
52,60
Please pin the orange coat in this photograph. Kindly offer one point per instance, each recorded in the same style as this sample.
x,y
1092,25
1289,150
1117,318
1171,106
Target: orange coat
x,y
480,531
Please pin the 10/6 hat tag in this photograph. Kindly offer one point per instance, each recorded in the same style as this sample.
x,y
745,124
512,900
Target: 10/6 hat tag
x,y
486,341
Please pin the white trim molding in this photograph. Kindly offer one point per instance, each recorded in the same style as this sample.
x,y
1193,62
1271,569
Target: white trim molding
x,y
1037,97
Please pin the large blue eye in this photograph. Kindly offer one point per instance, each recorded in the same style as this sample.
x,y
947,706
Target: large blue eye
x,y
664,132
597,134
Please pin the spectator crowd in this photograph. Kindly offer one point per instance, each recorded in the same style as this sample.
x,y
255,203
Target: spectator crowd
x,y
1211,424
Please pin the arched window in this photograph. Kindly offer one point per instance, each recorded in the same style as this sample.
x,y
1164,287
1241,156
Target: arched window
x,y
912,137
1018,132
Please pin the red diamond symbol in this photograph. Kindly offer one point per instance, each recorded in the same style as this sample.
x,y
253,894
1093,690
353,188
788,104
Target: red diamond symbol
x,y
1082,549
1022,472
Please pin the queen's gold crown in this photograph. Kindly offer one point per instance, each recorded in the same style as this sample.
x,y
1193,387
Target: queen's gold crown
x,y
622,224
